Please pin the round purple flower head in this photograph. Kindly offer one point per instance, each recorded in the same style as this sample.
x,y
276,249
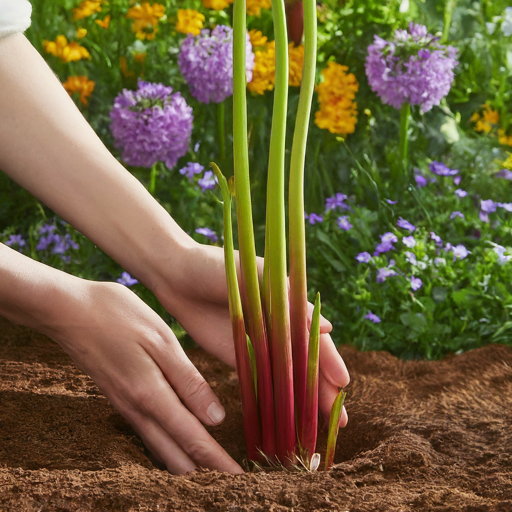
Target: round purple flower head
x,y
151,124
412,68
206,62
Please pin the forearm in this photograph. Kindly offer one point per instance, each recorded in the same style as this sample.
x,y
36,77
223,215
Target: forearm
x,y
48,147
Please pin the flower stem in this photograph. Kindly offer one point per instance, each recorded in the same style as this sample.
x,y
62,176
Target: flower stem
x,y
334,425
251,297
221,132
244,363
449,6
282,366
152,179
297,238
405,115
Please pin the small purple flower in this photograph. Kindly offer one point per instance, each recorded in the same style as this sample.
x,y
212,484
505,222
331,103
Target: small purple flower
x,y
16,240
421,181
409,241
191,169
488,206
500,251
391,202
197,145
47,228
416,283
410,257
388,238
208,181
405,224
456,214
506,206
383,247
457,180
363,257
208,233
442,170
504,173
461,193
383,273
336,201
126,279
436,238
439,261
483,216
314,218
373,318
460,252
343,223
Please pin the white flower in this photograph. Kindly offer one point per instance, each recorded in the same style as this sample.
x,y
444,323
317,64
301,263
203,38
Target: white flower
x,y
506,26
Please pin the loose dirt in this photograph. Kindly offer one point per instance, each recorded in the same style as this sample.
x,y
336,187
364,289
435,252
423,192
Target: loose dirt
x,y
429,436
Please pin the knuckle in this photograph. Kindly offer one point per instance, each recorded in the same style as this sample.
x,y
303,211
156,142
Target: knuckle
x,y
196,388
198,450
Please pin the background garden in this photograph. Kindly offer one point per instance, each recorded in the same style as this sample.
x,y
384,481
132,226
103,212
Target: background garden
x,y
411,254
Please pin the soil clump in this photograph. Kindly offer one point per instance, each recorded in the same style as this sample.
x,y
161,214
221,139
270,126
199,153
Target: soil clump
x,y
422,435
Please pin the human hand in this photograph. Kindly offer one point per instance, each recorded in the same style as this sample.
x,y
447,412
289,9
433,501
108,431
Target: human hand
x,y
135,359
197,297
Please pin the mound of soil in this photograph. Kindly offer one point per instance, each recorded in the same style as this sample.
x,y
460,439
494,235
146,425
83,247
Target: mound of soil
x,y
429,436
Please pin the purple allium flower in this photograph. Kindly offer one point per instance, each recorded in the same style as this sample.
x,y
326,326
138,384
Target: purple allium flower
x,y
383,273
191,169
206,62
151,125
314,218
336,201
405,224
421,181
459,251
208,233
343,223
409,241
388,238
416,283
413,68
457,180
488,206
442,170
126,279
506,206
456,214
391,202
504,173
461,193
208,181
436,238
16,240
373,318
363,257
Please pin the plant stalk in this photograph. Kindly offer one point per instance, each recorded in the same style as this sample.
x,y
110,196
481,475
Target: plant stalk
x,y
297,232
276,251
405,116
152,179
251,298
242,353
334,426
221,131
449,7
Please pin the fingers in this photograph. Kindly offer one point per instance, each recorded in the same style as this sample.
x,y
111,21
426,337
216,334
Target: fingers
x,y
326,396
332,365
325,325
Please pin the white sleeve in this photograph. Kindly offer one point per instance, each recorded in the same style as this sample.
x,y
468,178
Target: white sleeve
x,y
14,16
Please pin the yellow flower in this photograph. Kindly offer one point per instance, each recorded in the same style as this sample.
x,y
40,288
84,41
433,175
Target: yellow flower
x,y
257,38
81,32
336,94
80,84
504,139
486,121
508,162
253,7
65,51
218,5
86,8
296,58
264,72
145,16
190,21
104,23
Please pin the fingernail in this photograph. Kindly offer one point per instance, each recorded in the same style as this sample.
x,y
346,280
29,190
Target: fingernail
x,y
216,413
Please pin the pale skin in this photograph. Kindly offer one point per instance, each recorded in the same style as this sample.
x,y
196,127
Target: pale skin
x,y
48,147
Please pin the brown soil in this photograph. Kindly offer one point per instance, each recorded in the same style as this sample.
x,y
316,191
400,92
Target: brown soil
x,y
429,436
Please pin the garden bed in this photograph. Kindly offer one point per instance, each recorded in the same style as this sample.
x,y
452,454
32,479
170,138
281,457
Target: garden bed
x,y
422,435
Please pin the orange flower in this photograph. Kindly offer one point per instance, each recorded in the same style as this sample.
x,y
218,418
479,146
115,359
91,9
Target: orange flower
x,y
81,32
80,84
145,18
139,57
190,21
504,139
253,7
486,120
104,23
296,58
86,8
217,5
67,52
257,38
123,64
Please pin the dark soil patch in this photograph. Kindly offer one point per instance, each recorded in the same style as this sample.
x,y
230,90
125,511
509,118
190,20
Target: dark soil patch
x,y
426,436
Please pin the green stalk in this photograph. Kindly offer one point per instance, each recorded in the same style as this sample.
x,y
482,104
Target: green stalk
x,y
449,6
405,115
152,179
297,238
221,131
334,426
242,353
308,433
276,251
251,298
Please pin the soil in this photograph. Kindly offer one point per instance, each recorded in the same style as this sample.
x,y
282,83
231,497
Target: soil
x,y
429,436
